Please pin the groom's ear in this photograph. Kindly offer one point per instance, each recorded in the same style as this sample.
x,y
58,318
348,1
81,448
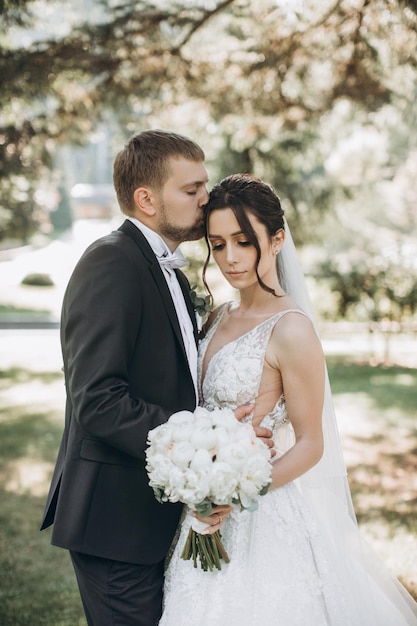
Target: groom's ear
x,y
143,198
278,240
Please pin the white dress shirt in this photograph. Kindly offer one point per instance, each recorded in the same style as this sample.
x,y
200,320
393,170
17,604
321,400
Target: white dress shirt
x,y
168,261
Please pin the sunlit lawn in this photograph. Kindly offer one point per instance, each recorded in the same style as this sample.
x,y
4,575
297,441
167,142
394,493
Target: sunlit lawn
x,y
377,410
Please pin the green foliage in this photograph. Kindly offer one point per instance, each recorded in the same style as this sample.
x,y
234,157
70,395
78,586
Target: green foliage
x,y
321,103
38,280
378,291
280,97
61,218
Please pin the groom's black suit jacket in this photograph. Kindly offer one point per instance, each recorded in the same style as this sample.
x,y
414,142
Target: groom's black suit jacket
x,y
126,372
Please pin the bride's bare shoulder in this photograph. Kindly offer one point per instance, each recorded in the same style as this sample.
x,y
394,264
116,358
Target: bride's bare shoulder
x,y
294,328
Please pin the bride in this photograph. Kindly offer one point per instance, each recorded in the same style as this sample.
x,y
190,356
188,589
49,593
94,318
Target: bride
x,y
299,559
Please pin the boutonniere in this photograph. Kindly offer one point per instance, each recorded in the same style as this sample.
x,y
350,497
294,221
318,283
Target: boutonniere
x,y
201,303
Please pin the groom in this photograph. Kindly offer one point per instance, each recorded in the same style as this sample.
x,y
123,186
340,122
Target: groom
x,y
128,336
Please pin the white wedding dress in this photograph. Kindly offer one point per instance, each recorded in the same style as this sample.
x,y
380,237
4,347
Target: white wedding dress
x,y
282,571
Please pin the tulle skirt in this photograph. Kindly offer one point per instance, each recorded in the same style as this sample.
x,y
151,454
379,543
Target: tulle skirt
x,y
282,572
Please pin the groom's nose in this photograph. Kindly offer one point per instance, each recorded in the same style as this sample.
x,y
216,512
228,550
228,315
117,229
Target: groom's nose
x,y
204,197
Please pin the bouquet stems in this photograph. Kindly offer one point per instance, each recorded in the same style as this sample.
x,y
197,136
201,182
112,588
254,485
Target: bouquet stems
x,y
208,549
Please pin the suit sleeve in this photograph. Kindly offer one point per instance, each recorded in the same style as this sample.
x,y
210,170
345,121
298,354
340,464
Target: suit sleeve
x,y
99,331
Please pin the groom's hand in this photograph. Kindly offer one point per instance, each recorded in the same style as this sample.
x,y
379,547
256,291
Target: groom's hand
x,y
244,410
263,433
266,435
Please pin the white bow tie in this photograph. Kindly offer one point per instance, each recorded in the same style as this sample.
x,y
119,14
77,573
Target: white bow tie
x,y
173,261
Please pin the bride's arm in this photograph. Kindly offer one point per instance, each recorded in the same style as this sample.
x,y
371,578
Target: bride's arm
x,y
296,352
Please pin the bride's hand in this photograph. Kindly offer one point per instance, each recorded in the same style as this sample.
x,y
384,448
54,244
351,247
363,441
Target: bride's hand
x,y
214,521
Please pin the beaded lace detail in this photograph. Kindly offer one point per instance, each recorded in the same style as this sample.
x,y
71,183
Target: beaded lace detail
x,y
238,369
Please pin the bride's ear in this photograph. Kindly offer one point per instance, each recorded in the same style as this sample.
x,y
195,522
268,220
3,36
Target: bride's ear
x,y
278,240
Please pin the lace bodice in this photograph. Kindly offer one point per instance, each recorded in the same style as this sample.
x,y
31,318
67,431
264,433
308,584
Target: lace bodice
x,y
234,372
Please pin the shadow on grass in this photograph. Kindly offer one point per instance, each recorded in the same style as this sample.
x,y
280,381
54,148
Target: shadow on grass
x,y
387,387
376,491
38,584
32,435
16,376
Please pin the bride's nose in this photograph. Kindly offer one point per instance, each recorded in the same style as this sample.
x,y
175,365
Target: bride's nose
x,y
230,254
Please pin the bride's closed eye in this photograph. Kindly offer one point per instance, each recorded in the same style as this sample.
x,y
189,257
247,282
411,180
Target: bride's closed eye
x,y
219,246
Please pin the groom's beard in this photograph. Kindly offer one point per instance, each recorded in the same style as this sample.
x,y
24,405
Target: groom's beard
x,y
173,232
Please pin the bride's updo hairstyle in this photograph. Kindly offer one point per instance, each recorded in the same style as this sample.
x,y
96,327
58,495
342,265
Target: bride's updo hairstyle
x,y
245,194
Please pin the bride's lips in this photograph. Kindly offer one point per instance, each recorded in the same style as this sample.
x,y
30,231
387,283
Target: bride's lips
x,y
235,274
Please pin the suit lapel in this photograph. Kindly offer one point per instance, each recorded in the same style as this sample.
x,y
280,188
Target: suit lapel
x,y
155,269
185,288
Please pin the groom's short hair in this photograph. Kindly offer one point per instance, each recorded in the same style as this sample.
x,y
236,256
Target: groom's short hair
x,y
144,162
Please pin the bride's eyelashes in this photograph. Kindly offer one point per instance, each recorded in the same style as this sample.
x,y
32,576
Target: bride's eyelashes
x,y
219,246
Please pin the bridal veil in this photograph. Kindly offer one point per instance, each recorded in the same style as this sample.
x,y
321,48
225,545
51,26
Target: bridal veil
x,y
376,598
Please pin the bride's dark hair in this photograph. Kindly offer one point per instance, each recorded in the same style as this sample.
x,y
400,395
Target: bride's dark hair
x,y
245,194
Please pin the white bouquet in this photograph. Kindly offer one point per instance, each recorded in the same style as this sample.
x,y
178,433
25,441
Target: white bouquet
x,y
204,459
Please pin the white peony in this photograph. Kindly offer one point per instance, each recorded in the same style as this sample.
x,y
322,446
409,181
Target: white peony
x,y
224,418
182,432
196,488
159,467
223,483
207,457
182,453
235,454
203,436
202,461
181,417
161,436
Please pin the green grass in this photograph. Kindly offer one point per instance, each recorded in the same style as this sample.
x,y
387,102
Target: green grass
x,y
378,409
387,387
11,310
38,585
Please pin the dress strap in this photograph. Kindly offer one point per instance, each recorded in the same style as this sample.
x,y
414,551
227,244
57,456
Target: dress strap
x,y
282,313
